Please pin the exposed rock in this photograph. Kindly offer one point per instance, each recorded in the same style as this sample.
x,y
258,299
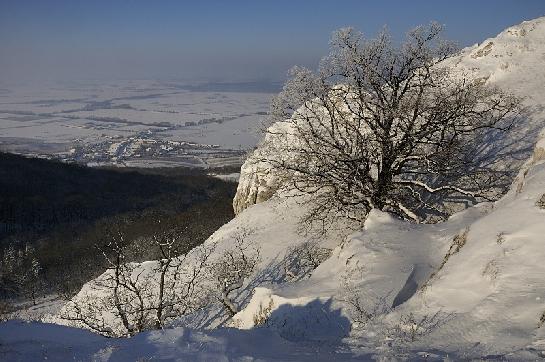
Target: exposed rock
x,y
258,180
256,184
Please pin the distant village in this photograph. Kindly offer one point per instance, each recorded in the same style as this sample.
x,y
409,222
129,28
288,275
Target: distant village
x,y
144,151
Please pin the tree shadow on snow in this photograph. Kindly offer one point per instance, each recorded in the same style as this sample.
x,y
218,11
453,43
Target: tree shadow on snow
x,y
309,332
314,321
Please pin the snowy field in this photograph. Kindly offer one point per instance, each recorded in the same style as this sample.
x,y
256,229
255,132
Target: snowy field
x,y
108,122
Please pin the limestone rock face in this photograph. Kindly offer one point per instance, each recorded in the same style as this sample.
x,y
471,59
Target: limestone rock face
x,y
256,184
259,181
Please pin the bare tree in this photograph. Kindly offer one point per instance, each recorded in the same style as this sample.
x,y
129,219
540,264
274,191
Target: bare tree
x,y
20,273
233,267
301,260
386,127
179,281
120,287
142,297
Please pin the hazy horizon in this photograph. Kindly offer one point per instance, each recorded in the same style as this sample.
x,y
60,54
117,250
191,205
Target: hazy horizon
x,y
213,41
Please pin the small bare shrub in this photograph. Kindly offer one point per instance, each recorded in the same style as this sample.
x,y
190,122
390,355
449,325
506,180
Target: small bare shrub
x,y
411,327
301,260
233,268
5,310
541,202
372,313
262,316
491,270
20,272
361,307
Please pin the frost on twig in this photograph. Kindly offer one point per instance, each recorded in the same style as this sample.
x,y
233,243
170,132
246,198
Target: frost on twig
x,y
389,127
302,259
362,306
233,267
129,298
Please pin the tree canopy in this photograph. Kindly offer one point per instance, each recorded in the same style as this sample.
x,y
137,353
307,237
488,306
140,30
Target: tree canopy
x,y
389,127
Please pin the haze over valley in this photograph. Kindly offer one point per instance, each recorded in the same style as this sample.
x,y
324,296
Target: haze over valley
x,y
135,123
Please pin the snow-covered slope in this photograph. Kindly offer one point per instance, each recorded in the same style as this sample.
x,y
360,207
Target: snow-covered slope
x,y
271,229
513,59
477,279
470,287
27,342
483,268
495,284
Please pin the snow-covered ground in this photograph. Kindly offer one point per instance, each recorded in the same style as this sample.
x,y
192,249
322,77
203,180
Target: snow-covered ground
x,y
24,342
35,310
471,287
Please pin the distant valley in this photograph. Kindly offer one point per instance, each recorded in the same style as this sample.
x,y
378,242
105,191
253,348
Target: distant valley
x,y
136,123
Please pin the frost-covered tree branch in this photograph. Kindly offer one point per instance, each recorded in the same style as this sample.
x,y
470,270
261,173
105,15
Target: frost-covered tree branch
x,y
129,298
233,268
388,127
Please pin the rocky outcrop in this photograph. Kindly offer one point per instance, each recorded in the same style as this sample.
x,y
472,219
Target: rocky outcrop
x,y
256,184
259,181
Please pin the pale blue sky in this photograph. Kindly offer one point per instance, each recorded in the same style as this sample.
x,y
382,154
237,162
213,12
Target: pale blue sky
x,y
215,40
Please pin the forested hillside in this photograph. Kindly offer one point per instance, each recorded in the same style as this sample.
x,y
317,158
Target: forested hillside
x,y
63,211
